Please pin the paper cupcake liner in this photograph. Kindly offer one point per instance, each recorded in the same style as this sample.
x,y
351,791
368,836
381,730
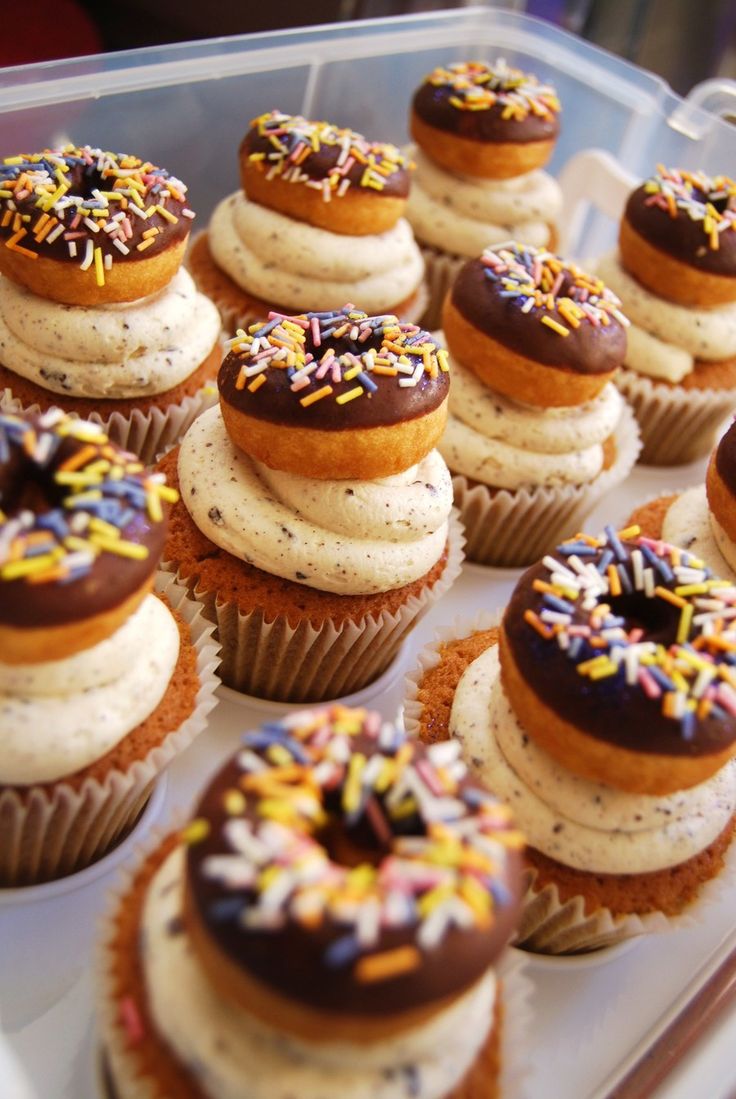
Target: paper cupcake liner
x,y
547,924
677,425
120,1055
50,831
441,270
269,658
147,434
505,528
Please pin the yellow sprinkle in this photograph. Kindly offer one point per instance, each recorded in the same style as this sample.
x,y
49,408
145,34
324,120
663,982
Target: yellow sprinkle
x,y
630,532
153,506
602,671
442,359
351,789
195,832
279,755
476,898
277,810
167,214
351,373
614,580
102,527
99,267
145,244
556,326
316,396
166,492
121,547
433,899
29,565
692,589
390,963
351,394
683,628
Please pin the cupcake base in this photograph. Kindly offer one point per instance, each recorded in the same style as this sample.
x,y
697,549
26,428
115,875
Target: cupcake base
x,y
565,910
678,423
284,641
137,1063
53,829
239,308
146,426
511,529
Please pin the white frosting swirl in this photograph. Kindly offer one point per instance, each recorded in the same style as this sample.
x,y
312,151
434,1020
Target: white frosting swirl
x,y
306,268
59,717
222,1045
336,536
128,349
585,825
706,334
508,445
690,524
463,214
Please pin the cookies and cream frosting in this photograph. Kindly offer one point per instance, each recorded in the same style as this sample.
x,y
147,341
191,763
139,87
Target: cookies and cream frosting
x,y
459,214
301,266
585,825
495,440
57,718
689,522
337,536
666,339
107,351
221,1044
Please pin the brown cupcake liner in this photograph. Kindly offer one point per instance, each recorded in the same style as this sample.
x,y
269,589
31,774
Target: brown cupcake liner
x,y
268,658
54,830
505,528
677,425
549,925
147,434
122,1075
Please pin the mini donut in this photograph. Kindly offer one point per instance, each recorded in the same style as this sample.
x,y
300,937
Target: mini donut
x,y
82,527
83,227
329,177
345,882
534,327
477,119
720,482
335,394
617,657
678,237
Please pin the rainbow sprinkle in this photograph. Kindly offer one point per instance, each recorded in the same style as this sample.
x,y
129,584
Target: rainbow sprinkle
x,y
291,145
692,677
479,86
322,351
103,493
709,200
446,840
533,278
38,205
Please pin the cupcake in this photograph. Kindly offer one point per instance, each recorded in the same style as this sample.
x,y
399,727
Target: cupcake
x,y
101,680
700,519
675,273
97,315
483,134
537,432
318,222
315,516
332,920
602,709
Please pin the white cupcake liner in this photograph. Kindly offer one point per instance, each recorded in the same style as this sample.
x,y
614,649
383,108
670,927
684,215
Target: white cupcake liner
x,y
266,657
441,271
147,434
677,425
549,925
505,528
54,830
119,1057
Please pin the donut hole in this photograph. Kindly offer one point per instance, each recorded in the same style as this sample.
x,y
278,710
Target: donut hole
x,y
356,846
656,617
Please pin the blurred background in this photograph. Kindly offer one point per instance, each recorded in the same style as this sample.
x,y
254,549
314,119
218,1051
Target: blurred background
x,y
684,41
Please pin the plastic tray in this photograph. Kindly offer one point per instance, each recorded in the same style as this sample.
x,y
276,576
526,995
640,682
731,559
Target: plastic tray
x,y
187,108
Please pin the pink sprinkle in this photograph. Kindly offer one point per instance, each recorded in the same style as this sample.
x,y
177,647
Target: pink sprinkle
x,y
429,776
336,372
650,685
727,698
635,635
75,221
314,328
131,1020
322,369
579,631
300,383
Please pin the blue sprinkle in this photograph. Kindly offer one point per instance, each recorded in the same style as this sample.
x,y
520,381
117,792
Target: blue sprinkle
x,y
717,712
615,543
659,564
582,549
366,382
53,521
612,621
225,909
472,796
342,951
623,576
573,649
605,561
38,549
74,574
660,677
267,328
500,893
4,446
558,604
687,725
327,333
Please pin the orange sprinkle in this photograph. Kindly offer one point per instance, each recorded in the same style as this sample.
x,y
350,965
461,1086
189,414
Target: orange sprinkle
x,y
316,396
12,244
614,580
390,963
536,623
258,381
670,597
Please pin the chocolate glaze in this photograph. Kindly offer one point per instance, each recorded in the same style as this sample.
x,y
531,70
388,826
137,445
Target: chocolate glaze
x,y
607,709
110,580
390,404
432,105
586,350
682,237
290,960
318,165
83,179
726,459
